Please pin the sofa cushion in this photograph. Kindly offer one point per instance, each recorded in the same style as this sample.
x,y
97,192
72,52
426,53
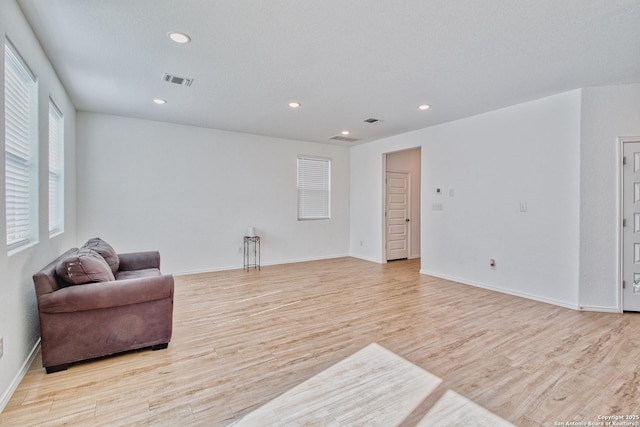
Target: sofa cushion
x,y
137,274
105,250
84,266
96,296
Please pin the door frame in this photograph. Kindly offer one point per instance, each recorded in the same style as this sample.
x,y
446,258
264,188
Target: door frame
x,y
384,208
383,205
621,141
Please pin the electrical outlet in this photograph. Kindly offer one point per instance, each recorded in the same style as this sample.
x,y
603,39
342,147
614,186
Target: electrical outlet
x,y
523,206
1,346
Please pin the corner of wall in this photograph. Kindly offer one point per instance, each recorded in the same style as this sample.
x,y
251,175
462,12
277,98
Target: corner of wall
x,y
607,113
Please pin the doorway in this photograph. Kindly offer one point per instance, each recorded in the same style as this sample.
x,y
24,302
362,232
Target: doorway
x,y
630,242
401,204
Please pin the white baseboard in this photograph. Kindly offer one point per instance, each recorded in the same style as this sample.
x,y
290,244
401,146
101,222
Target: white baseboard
x,y
502,290
19,376
600,309
366,258
205,270
240,266
293,261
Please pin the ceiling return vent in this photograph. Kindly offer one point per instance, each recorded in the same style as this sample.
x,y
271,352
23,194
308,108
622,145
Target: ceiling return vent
x,y
372,120
343,138
170,78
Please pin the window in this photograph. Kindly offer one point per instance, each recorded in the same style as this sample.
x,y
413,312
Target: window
x,y
56,170
314,188
20,98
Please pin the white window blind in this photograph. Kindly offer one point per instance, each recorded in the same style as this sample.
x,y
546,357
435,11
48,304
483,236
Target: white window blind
x,y
314,188
20,155
56,169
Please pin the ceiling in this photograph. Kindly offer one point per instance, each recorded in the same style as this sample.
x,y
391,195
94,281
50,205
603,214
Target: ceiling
x,y
344,60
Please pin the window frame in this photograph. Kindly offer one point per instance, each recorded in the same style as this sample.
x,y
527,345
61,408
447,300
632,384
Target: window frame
x,y
56,169
21,151
314,188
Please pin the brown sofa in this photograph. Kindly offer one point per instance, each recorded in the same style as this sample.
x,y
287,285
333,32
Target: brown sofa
x,y
102,316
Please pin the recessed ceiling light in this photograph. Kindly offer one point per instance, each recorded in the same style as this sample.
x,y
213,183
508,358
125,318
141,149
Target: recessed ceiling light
x,y
424,107
179,37
345,132
160,101
294,104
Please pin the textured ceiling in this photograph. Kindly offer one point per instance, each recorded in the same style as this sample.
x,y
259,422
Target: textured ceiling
x,y
344,60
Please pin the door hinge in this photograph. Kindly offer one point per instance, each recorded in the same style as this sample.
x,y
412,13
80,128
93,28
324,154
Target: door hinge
x,y
624,222
624,160
624,284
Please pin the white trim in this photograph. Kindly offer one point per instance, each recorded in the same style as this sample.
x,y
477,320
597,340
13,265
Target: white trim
x,y
241,267
55,169
508,292
18,56
12,250
21,151
600,309
620,214
383,255
19,376
370,259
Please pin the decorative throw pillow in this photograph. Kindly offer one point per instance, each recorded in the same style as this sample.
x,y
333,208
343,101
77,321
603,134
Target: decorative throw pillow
x,y
104,249
84,266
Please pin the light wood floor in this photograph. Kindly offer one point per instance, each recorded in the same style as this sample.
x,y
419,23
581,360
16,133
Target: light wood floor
x,y
242,338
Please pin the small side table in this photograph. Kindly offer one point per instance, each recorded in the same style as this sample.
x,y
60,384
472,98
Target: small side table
x,y
251,242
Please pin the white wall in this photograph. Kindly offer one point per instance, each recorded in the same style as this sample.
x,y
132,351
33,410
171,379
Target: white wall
x,y
410,161
607,113
558,154
18,313
529,153
191,193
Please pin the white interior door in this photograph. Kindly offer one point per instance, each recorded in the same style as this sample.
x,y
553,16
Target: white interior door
x,y
397,215
631,227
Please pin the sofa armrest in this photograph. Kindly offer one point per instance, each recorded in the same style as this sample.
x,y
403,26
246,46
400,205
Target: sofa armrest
x,y
139,260
103,295
46,280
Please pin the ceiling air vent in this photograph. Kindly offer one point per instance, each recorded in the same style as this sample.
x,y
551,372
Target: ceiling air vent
x,y
170,78
343,138
372,120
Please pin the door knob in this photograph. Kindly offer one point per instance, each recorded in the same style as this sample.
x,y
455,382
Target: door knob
x,y
407,220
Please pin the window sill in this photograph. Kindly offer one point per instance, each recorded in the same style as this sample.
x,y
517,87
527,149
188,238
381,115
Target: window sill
x,y
55,234
22,247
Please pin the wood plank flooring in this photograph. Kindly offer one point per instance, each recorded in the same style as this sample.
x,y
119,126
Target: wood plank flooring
x,y
243,338
454,410
372,387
